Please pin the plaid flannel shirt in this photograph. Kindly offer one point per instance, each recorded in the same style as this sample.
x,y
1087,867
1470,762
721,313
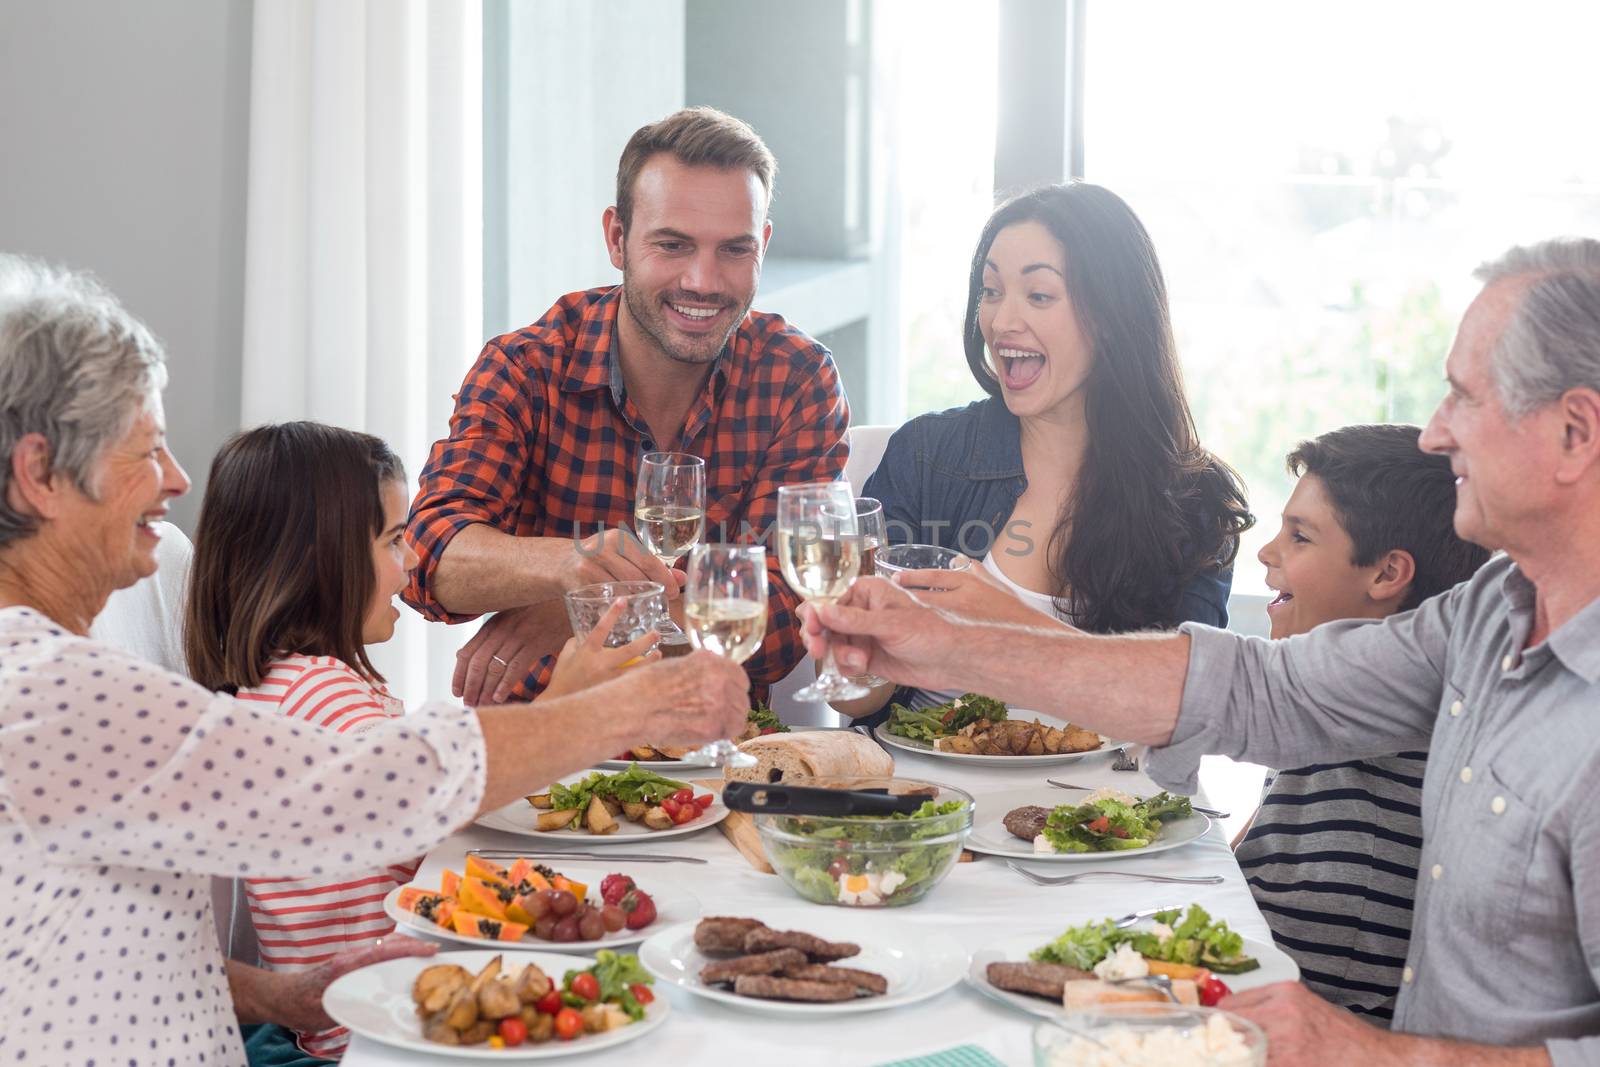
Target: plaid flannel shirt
x,y
544,442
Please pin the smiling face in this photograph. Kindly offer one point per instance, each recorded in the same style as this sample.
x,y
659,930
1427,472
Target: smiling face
x,y
1504,484
691,258
392,564
1309,567
112,533
1036,347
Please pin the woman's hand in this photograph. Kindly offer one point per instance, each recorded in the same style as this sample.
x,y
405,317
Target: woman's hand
x,y
295,1000
970,594
587,661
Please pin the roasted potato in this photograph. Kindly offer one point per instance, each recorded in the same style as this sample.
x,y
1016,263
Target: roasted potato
x,y
635,812
598,1018
556,820
498,999
539,800
436,985
598,820
440,1032
658,819
541,1027
532,984
479,1032
462,1011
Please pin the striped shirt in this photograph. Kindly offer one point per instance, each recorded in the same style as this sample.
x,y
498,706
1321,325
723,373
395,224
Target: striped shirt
x,y
301,922
1332,860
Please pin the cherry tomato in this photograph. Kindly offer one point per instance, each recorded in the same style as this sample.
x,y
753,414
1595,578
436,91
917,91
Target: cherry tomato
x,y
641,993
838,868
513,1031
703,802
684,813
569,1024
684,795
768,730
1212,990
586,986
671,807
1098,826
550,1003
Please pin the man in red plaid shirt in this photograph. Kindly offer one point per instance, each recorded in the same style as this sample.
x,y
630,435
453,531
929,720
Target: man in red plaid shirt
x,y
529,495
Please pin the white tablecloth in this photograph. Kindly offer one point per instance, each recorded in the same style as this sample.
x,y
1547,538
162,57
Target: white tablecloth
x,y
979,904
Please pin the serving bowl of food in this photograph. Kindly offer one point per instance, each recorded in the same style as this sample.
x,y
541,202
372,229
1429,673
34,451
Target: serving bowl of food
x,y
1149,1035
870,860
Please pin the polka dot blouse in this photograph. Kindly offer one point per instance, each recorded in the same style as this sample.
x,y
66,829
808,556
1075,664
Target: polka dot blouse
x,y
124,787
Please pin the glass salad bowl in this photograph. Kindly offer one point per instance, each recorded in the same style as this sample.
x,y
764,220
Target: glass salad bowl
x,y
869,861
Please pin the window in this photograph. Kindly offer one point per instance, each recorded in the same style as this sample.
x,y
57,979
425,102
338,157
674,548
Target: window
x,y
1320,182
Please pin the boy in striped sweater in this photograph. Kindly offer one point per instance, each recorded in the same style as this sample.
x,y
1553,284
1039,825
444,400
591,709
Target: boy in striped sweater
x,y
1332,857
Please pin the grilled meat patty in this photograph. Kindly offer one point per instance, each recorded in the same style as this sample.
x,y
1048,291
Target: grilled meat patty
x,y
1027,823
724,934
760,963
820,951
868,982
768,987
1040,979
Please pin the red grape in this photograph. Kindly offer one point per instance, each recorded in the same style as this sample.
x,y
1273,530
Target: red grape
x,y
612,918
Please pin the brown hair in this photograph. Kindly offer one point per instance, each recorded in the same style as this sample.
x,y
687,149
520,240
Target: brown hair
x,y
696,137
283,551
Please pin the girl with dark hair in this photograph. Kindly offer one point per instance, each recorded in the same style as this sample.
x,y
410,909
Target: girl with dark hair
x,y
1079,483
299,554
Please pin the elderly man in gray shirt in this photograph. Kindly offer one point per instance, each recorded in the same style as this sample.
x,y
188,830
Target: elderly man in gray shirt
x,y
1499,678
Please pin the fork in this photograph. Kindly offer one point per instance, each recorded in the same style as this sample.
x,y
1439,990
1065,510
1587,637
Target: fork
x,y
1213,812
1068,879
1155,981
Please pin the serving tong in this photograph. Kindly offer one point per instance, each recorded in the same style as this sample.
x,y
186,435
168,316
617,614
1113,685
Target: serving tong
x,y
760,798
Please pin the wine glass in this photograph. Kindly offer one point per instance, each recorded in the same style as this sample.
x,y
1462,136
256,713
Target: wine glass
x,y
820,553
725,604
669,504
669,514
874,534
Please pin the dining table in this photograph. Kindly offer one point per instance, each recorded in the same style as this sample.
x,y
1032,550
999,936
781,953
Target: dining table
x,y
980,903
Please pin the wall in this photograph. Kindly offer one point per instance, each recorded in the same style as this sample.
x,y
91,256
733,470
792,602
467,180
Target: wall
x,y
566,82
125,139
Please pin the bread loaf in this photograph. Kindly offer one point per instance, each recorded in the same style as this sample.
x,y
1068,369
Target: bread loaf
x,y
812,754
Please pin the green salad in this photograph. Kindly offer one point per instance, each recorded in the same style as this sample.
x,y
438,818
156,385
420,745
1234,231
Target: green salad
x,y
867,861
765,720
942,720
632,786
1194,939
1110,825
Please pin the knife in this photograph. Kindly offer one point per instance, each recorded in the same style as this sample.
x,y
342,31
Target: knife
x,y
630,857
1134,916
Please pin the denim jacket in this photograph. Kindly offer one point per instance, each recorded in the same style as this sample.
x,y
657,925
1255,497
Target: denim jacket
x,y
952,478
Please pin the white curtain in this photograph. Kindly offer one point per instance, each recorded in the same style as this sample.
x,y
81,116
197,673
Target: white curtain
x,y
363,264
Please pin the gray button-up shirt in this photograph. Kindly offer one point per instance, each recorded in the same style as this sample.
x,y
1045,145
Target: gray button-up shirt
x,y
1505,946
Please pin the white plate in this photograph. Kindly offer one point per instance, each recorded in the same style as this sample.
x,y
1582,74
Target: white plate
x,y
1276,966
520,817
672,906
668,766
919,963
925,748
989,834
376,1003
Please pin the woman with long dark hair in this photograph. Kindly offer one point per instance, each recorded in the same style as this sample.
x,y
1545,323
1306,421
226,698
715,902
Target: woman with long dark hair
x,y
1079,483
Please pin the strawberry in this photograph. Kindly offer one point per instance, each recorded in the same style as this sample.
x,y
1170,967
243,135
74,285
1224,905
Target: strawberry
x,y
614,886
639,908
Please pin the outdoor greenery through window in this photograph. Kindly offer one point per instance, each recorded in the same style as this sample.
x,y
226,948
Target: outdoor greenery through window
x,y
1320,182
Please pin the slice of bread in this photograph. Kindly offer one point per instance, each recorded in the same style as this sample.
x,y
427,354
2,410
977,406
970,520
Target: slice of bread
x,y
812,754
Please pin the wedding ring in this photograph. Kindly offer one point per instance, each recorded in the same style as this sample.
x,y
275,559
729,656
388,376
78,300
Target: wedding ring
x,y
498,660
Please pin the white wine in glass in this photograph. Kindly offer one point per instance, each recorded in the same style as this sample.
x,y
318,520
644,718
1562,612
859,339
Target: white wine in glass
x,y
725,604
669,504
819,551
874,533
731,628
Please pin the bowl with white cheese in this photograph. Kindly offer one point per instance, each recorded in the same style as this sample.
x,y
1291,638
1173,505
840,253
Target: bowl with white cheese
x,y
1149,1035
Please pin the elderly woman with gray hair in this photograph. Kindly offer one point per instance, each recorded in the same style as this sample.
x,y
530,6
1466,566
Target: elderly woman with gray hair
x,y
122,786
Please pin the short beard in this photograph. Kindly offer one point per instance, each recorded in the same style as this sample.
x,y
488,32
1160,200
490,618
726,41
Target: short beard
x,y
650,318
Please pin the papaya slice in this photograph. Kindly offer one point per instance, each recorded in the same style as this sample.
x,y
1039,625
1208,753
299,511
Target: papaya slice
x,y
519,871
411,894
481,898
483,926
517,913
435,907
577,889
478,867
449,883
